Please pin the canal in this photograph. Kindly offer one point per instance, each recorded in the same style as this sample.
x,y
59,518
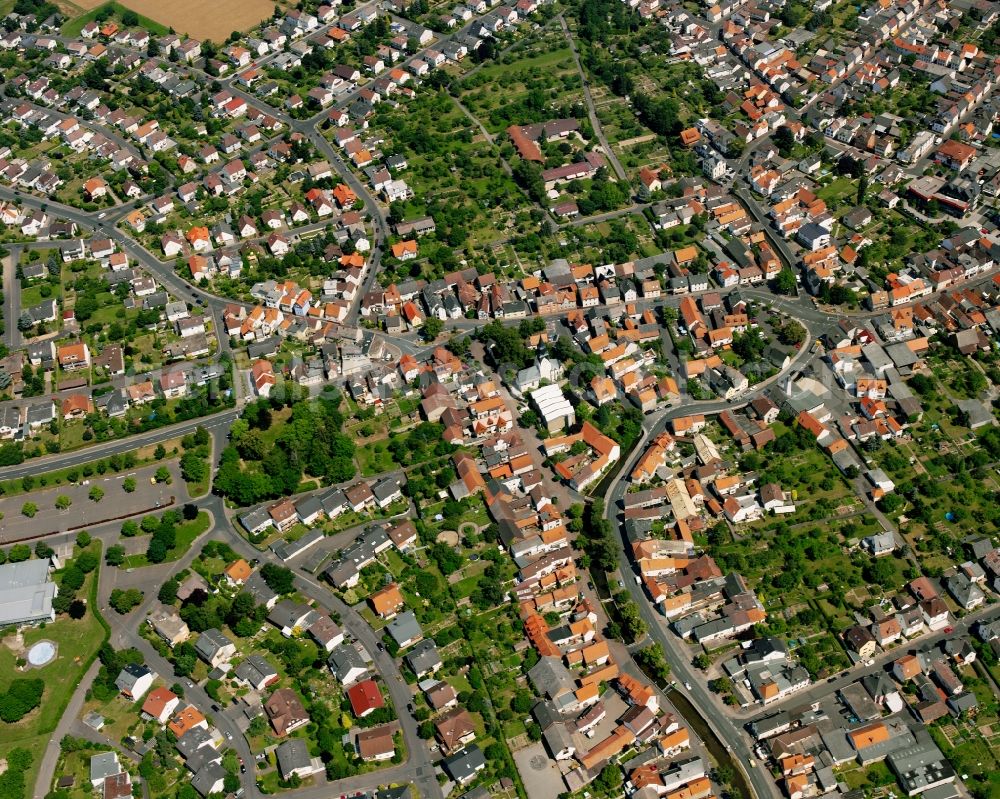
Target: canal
x,y
712,743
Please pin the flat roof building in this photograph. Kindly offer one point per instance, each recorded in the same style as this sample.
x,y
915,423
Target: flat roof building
x,y
555,409
26,593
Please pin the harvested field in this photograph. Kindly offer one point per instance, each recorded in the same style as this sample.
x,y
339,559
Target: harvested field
x,y
196,18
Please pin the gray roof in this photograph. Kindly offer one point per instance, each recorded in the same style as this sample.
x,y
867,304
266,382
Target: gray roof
x,y
333,501
26,592
41,412
343,659
340,573
423,657
290,614
921,765
309,506
404,628
385,488
254,519
255,670
292,754
463,765
557,738
963,703
550,677
963,589
104,765
259,590
210,642
289,549
192,741
130,675
205,780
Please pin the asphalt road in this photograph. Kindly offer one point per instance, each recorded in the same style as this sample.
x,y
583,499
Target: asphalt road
x,y
50,463
731,736
418,767
960,629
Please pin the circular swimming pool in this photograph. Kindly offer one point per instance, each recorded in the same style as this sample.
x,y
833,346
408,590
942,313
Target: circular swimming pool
x,y
41,653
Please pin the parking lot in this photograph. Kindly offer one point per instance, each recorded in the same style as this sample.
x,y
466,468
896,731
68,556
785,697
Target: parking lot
x,y
83,511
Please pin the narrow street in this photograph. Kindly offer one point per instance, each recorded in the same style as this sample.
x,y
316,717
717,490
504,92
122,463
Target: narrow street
x,y
595,122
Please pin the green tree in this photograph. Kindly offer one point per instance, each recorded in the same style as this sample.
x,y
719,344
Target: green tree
x,y
278,578
784,282
29,509
168,591
129,485
115,556
72,578
63,502
609,781
83,539
19,553
432,328
193,468
125,601
96,494
654,663
791,333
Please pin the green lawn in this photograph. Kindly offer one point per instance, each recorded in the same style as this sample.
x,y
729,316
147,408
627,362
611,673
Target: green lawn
x,y
838,190
198,488
545,61
74,26
186,534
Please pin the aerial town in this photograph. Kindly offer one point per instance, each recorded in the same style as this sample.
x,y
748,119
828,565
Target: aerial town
x,y
508,399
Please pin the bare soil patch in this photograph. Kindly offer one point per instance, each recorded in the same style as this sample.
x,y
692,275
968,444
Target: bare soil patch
x,y
197,18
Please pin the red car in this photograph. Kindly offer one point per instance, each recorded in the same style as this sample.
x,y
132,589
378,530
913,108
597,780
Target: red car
x,y
949,630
